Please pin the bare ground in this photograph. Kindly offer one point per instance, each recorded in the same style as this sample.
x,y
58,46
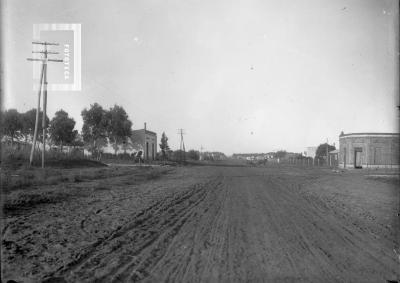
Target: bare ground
x,y
206,224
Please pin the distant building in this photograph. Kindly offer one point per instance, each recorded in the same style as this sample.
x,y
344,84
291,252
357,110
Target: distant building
x,y
147,140
253,156
357,150
310,151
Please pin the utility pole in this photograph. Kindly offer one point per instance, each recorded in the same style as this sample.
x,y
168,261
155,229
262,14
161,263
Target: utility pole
x,y
43,84
182,145
327,154
201,152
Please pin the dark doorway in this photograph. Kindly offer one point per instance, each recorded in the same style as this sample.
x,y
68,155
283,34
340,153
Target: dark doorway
x,y
357,158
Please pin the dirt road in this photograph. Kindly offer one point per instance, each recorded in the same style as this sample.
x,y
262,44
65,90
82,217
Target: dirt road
x,y
214,224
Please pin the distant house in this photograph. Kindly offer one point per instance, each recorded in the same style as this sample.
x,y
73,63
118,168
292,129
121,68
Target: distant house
x,y
147,140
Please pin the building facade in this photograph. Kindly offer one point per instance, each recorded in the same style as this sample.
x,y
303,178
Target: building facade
x,y
147,140
372,150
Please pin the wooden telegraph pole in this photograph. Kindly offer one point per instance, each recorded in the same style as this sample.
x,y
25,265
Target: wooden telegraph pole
x,y
182,146
43,84
201,152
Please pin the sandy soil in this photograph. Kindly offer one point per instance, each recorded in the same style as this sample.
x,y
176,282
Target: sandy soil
x,y
207,224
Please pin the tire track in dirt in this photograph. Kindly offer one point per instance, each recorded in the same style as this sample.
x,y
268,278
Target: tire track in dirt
x,y
132,249
135,270
200,247
314,236
294,255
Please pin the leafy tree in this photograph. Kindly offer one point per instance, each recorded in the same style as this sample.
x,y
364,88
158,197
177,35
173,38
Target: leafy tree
x,y
12,124
28,124
119,127
78,141
94,130
193,154
164,145
321,150
207,156
62,129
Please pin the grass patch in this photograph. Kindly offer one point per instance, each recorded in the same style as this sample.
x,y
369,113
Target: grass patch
x,y
27,178
74,163
17,156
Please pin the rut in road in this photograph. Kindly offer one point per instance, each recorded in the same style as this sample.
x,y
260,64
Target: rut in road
x,y
133,248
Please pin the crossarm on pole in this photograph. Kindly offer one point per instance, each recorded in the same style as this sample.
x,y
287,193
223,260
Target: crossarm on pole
x,y
43,60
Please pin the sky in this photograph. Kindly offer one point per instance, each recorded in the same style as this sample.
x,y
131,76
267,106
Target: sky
x,y
237,76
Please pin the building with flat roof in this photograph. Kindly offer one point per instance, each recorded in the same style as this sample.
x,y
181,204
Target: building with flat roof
x,y
147,140
358,150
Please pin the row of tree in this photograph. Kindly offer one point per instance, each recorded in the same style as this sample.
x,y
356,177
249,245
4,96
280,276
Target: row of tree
x,y
99,127
21,126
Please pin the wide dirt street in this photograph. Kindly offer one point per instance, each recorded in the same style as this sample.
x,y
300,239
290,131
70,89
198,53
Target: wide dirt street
x,y
210,224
